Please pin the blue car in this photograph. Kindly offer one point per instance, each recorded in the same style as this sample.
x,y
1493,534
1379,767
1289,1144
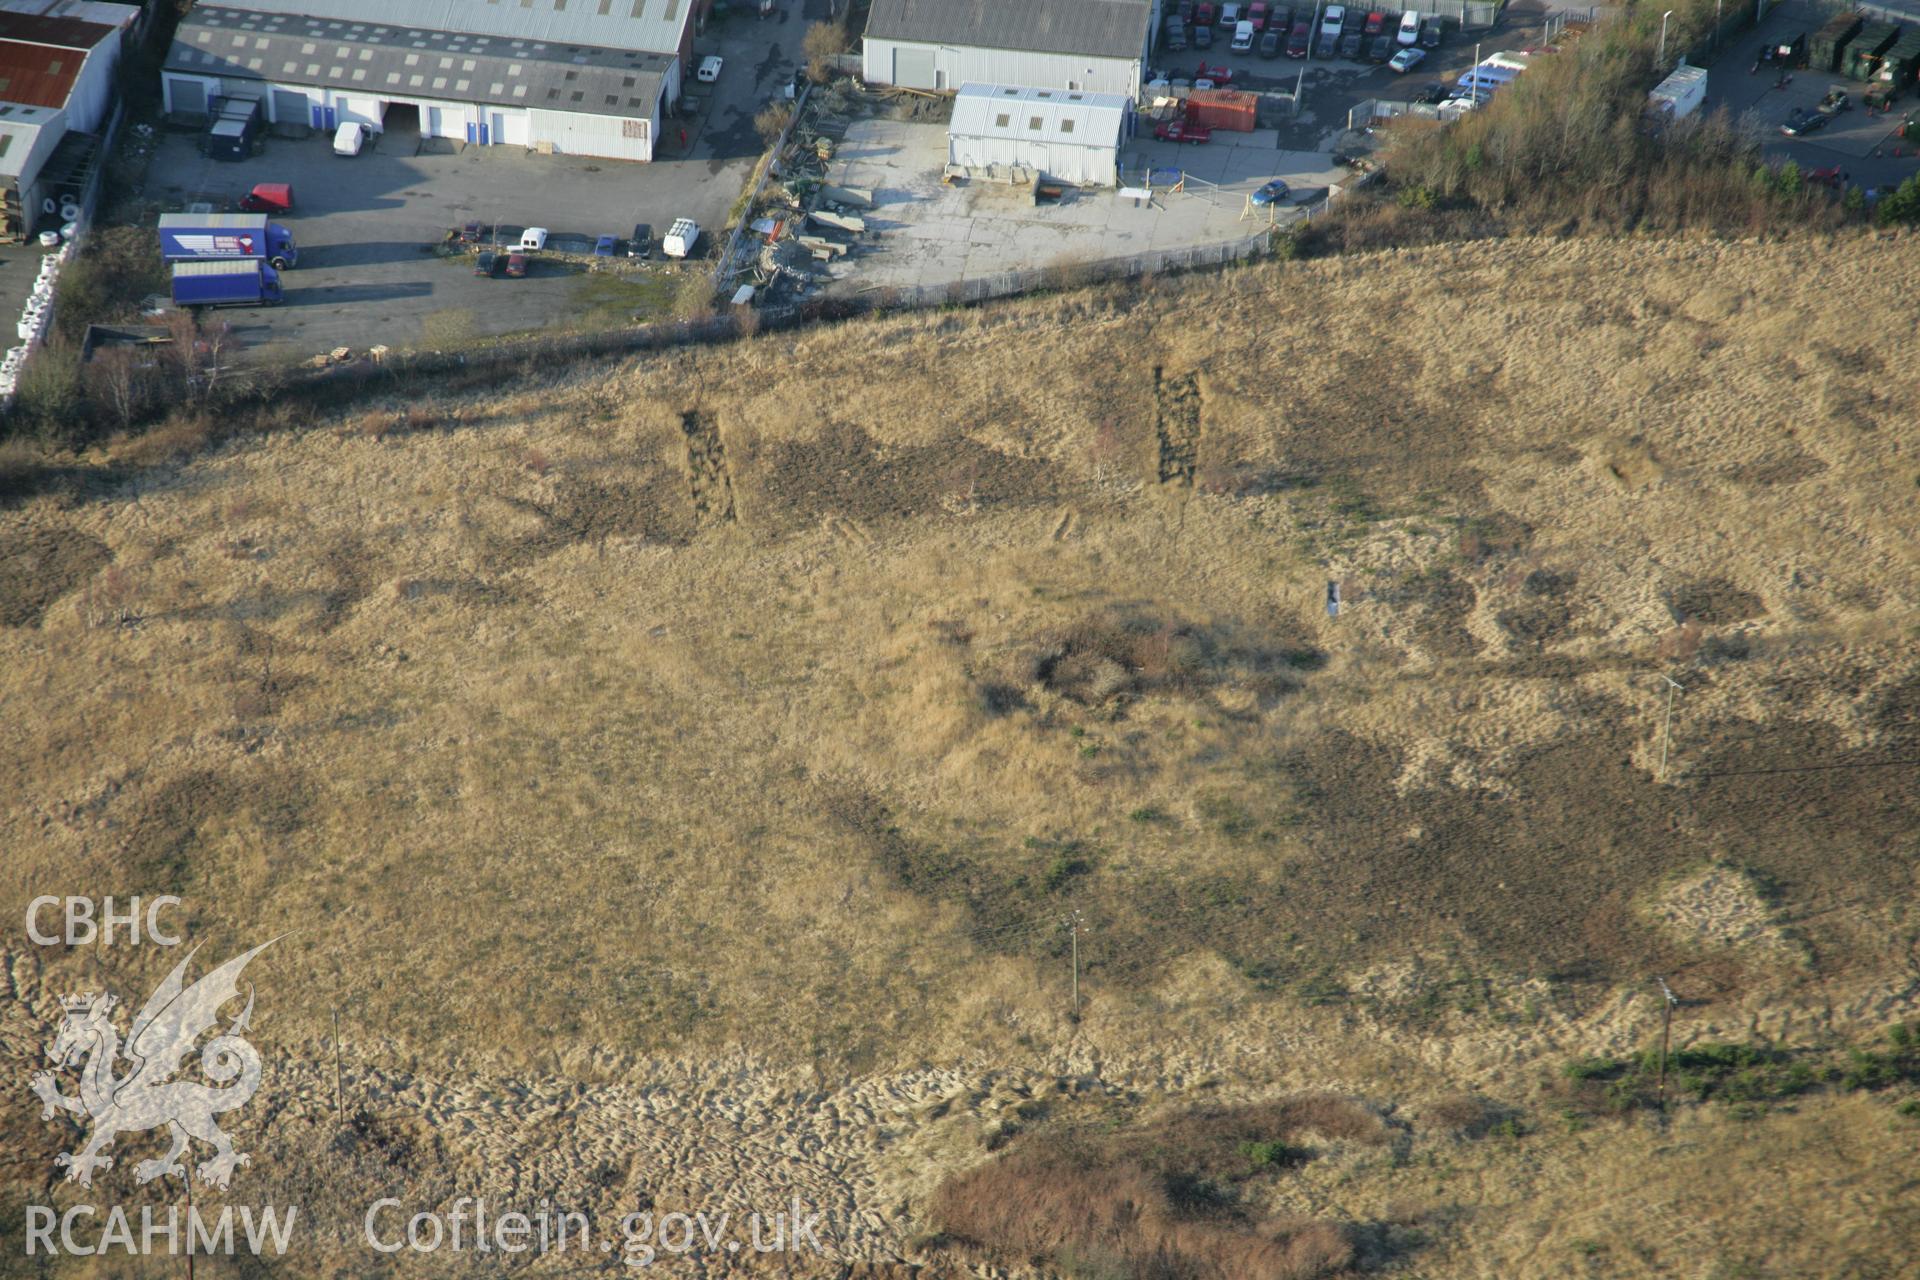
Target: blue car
x,y
603,247
1271,193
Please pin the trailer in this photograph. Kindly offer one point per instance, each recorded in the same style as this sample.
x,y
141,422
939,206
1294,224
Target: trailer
x,y
234,133
193,237
1680,94
1828,43
1862,58
234,282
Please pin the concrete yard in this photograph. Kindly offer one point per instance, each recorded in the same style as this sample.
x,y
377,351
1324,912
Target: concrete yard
x,y
922,232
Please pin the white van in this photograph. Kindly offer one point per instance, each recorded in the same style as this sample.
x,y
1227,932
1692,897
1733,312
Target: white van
x,y
680,238
1409,29
533,239
1242,36
349,138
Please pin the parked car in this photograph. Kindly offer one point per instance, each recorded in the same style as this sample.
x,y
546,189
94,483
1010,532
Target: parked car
x,y
1270,42
1202,36
487,264
1230,13
1331,18
1409,34
1431,94
1203,16
709,68
1350,44
1281,19
1430,33
1353,21
641,245
604,246
268,197
1174,40
1376,22
1380,48
1407,59
1803,122
516,265
1271,192
1183,131
1327,45
1832,177
1834,103
1301,40
1219,75
1242,37
1257,15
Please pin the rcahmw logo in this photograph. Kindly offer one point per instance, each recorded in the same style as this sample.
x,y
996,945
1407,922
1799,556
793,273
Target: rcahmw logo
x,y
130,1088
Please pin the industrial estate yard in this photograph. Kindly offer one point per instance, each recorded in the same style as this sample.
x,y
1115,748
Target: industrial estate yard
x,y
928,233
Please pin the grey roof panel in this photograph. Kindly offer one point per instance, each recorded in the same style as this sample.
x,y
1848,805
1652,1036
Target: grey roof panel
x,y
386,60
651,25
1096,28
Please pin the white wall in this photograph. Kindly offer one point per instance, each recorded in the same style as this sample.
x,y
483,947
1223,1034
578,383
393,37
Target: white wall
x,y
90,105
574,134
956,65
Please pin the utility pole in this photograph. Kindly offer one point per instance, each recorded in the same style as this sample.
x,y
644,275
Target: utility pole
x,y
188,1179
1666,730
1073,922
1666,1037
1661,59
339,1094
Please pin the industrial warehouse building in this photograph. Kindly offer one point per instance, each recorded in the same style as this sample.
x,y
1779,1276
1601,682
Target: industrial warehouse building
x,y
1062,134
594,78
1092,46
56,103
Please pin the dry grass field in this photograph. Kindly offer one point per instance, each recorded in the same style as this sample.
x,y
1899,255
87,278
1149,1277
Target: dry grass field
x,y
675,775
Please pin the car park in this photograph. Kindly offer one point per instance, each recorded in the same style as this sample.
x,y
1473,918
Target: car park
x,y
641,243
1407,59
1409,33
1183,131
709,68
1301,39
1380,48
1273,192
1270,42
1431,32
516,265
604,246
487,264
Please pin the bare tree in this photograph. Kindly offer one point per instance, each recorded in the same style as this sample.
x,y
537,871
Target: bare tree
x,y
117,383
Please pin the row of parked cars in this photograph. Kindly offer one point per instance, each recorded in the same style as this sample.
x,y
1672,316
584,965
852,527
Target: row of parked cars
x,y
1377,34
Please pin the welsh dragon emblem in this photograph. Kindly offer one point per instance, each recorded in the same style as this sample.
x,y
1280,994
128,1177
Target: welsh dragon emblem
x,y
145,1095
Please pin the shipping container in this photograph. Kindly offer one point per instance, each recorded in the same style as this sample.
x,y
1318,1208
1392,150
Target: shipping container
x,y
1823,54
1862,58
1680,94
1227,109
1901,64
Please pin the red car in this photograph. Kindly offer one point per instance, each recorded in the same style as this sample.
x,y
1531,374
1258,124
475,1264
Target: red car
x,y
268,197
1301,40
1183,131
1203,15
516,265
1376,23
1219,75
1257,15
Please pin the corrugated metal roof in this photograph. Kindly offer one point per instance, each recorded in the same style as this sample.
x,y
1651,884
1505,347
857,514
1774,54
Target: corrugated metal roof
x,y
58,33
113,15
384,60
1097,28
1039,115
654,26
37,75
